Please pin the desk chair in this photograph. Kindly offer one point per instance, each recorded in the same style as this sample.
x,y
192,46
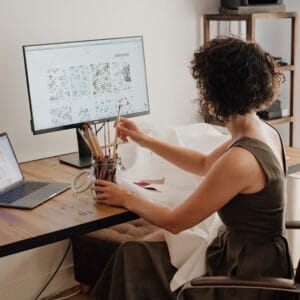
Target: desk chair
x,y
265,283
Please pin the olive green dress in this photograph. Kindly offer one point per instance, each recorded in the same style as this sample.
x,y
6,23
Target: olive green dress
x,y
251,243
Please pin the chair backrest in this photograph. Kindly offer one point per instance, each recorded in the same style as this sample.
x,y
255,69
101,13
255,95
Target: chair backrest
x,y
294,224
297,274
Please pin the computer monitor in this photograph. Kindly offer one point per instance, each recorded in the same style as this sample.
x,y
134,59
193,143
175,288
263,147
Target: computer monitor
x,y
72,83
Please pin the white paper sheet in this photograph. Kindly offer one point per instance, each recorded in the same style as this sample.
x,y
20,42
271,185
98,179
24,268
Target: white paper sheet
x,y
187,249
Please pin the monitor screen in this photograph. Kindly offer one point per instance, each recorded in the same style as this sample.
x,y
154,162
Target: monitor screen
x,y
76,82
9,169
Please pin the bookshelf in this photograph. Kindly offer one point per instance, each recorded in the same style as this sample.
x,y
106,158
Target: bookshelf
x,y
250,21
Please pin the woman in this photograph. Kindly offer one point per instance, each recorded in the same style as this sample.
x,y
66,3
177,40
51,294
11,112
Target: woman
x,y
244,182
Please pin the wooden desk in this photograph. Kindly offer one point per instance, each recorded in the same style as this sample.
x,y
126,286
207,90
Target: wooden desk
x,y
64,216
293,158
59,218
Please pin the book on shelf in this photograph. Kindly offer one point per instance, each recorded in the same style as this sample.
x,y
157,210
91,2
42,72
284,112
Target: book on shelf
x,y
251,9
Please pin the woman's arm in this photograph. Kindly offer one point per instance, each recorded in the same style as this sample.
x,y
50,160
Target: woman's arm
x,y
236,172
189,160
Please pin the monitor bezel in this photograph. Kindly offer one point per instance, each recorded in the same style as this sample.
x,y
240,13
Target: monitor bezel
x,y
96,121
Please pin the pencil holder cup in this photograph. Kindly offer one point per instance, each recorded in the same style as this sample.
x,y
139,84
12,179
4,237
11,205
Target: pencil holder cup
x,y
104,169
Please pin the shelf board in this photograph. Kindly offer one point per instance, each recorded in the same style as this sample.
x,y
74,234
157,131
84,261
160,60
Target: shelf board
x,y
271,15
280,120
245,17
287,68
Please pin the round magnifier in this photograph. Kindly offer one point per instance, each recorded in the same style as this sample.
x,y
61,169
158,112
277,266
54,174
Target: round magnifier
x,y
82,182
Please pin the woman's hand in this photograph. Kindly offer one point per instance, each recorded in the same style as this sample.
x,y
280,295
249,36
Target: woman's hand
x,y
109,193
127,128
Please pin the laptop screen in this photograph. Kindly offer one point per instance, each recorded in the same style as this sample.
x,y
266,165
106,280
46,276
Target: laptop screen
x,y
10,172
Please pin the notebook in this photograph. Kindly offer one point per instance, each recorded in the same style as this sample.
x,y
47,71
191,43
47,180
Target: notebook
x,y
14,190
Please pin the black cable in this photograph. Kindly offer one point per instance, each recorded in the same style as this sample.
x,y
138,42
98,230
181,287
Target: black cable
x,y
55,272
97,130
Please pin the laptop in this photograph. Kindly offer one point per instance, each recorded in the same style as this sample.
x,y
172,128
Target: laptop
x,y
14,190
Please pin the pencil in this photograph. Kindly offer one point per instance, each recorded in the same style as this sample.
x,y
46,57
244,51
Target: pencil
x,y
116,136
89,136
108,141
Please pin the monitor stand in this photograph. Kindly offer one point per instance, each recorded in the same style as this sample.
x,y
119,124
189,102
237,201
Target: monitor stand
x,y
81,159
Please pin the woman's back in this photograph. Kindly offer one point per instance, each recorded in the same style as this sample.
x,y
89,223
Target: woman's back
x,y
252,241
259,214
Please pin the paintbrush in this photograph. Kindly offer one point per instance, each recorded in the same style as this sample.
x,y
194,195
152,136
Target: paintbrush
x,y
89,137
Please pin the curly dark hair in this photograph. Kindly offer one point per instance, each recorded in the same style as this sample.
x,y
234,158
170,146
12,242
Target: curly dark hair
x,y
234,77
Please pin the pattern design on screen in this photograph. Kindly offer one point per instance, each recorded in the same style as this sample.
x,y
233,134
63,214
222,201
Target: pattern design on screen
x,y
102,80
72,93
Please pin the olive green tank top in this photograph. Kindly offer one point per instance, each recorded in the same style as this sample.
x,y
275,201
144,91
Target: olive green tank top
x,y
259,214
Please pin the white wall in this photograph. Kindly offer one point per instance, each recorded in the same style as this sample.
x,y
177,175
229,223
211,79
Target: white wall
x,y
23,275
171,29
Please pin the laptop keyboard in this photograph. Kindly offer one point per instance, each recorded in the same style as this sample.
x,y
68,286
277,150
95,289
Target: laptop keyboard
x,y
21,191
